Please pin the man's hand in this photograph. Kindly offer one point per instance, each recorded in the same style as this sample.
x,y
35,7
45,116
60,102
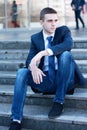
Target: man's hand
x,y
35,61
37,74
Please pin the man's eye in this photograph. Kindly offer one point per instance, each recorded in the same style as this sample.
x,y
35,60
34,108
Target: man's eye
x,y
52,20
49,20
56,20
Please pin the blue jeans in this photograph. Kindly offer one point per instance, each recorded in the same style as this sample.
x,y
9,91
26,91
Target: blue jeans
x,y
64,82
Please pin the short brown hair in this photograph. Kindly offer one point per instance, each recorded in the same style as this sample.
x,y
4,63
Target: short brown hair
x,y
47,10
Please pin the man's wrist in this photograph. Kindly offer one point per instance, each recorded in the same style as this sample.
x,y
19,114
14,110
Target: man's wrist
x,y
49,51
32,67
44,53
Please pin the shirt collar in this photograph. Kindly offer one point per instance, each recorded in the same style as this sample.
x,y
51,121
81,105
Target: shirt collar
x,y
45,35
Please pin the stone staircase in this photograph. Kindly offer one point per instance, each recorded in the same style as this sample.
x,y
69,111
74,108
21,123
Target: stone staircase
x,y
12,57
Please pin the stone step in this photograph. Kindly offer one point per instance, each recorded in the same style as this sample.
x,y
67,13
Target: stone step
x,y
14,45
82,64
13,54
77,100
11,65
80,54
78,43
6,128
36,118
14,65
7,77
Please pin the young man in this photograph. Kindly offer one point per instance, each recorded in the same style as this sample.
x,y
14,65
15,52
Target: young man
x,y
50,68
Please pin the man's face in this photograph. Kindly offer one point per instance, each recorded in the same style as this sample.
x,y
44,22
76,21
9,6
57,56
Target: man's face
x,y
49,23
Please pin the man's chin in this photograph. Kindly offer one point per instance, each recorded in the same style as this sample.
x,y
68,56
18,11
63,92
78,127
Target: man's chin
x,y
52,30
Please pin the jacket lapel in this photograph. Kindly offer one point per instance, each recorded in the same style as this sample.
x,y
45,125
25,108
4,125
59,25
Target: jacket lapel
x,y
41,41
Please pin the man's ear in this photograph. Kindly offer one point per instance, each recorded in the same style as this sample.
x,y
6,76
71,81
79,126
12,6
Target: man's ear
x,y
41,22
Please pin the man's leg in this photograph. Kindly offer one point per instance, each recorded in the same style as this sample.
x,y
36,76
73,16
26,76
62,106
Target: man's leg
x,y
65,76
19,94
18,99
64,82
23,78
44,87
81,20
76,19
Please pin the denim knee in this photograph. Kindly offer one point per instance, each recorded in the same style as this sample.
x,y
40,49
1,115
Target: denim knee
x,y
65,56
22,74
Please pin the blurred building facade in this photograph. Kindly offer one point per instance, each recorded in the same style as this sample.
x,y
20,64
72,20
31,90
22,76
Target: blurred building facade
x,y
28,12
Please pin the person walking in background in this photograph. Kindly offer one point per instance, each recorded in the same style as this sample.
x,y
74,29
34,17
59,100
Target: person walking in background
x,y
14,14
49,68
77,6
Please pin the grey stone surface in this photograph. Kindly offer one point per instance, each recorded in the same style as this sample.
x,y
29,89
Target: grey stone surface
x,y
14,44
10,54
79,54
11,65
6,128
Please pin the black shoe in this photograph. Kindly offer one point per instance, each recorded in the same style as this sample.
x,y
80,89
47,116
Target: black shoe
x,y
56,110
70,92
15,126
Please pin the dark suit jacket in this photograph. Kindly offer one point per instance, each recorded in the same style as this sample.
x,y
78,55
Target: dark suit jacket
x,y
62,42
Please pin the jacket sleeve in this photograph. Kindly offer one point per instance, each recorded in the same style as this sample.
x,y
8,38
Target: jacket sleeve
x,y
65,45
31,54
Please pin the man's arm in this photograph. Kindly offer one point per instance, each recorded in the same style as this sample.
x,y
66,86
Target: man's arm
x,y
31,54
34,58
65,45
37,74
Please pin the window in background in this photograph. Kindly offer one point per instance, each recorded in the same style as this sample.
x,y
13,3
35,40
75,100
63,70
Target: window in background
x,y
2,14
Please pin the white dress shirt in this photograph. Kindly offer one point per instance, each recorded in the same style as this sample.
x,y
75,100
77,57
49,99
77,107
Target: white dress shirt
x,y
46,63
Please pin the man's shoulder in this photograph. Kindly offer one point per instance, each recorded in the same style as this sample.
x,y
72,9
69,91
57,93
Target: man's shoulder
x,y
36,34
64,27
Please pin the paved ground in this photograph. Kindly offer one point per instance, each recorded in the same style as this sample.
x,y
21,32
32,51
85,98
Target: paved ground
x,y
6,128
23,34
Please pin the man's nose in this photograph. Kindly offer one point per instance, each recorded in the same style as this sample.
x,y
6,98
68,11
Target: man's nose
x,y
53,23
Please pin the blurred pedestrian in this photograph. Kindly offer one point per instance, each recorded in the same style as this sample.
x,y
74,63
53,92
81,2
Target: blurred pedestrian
x,y
14,14
78,6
